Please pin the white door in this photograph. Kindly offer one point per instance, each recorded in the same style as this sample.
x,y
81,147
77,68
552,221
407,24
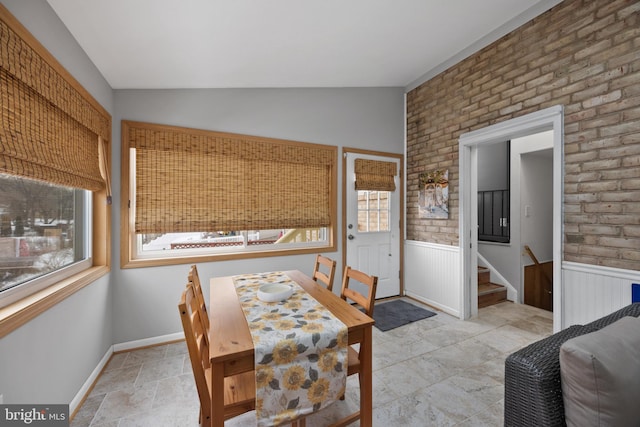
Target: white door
x,y
372,230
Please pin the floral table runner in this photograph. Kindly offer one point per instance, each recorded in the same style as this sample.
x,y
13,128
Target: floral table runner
x,y
300,350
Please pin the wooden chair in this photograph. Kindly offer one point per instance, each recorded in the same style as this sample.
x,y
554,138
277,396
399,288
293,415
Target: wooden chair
x,y
365,301
326,264
202,306
239,390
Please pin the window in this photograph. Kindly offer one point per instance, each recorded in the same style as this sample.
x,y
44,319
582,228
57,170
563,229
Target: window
x,y
43,233
212,195
374,180
494,204
159,245
54,215
373,211
493,216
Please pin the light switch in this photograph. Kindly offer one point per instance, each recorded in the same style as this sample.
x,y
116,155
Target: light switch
x,y
527,211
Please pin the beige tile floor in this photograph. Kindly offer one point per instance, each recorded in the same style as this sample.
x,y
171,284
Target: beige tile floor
x,y
439,371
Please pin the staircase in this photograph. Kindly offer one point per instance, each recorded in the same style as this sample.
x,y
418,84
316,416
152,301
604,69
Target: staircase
x,y
489,293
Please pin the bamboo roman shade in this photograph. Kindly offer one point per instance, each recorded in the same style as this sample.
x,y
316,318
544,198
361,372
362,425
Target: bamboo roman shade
x,y
50,125
192,180
375,175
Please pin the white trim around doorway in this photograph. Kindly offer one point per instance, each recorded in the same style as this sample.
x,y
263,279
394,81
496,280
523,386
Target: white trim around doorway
x,y
548,119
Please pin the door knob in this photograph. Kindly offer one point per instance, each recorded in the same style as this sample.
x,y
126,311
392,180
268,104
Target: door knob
x,y
350,237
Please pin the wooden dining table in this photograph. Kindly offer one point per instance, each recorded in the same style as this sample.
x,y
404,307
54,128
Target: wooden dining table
x,y
231,346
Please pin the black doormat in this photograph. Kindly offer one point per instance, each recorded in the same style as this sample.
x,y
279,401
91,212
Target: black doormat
x,y
396,313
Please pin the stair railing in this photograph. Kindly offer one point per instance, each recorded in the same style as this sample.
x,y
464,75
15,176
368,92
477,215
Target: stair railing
x,y
529,252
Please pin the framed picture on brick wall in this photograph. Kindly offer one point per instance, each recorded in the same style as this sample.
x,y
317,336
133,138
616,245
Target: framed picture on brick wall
x,y
433,197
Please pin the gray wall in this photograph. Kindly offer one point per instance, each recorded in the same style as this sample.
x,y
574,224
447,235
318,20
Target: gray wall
x,y
536,225
49,359
145,299
493,170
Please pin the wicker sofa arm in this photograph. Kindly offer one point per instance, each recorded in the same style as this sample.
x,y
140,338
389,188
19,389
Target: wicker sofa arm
x,y
629,310
532,389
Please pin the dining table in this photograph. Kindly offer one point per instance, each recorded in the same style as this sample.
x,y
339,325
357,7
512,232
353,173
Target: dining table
x,y
232,351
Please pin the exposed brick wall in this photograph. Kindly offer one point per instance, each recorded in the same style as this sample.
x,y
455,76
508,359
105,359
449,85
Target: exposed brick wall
x,y
583,54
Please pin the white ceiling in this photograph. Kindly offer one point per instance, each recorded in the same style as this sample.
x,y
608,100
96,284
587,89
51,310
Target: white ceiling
x,y
283,43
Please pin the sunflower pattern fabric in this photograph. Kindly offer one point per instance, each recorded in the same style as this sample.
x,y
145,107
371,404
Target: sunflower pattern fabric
x,y
300,350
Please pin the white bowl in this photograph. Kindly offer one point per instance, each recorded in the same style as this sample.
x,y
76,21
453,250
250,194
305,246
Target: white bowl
x,y
274,292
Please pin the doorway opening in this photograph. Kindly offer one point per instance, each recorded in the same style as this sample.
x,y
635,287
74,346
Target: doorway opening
x,y
515,221
548,120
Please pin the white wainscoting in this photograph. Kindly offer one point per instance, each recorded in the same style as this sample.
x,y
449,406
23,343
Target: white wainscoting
x,y
432,275
590,291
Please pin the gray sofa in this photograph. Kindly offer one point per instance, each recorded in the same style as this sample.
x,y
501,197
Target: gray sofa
x,y
532,389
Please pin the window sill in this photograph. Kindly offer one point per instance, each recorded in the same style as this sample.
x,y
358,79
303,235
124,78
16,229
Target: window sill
x,y
17,314
175,260
485,242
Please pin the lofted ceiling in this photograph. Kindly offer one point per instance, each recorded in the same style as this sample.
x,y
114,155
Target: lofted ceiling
x,y
284,43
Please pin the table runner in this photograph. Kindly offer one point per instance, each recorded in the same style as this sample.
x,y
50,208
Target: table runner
x,y
300,350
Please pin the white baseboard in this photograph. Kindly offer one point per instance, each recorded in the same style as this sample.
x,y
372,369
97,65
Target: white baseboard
x,y
434,304
86,387
146,342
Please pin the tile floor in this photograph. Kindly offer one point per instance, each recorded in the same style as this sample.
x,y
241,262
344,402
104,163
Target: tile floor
x,y
439,371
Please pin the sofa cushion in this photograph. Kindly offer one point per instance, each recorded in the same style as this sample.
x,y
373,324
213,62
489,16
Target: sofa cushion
x,y
600,376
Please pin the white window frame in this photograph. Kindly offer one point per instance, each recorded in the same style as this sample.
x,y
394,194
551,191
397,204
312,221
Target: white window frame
x,y
245,248
30,287
378,210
